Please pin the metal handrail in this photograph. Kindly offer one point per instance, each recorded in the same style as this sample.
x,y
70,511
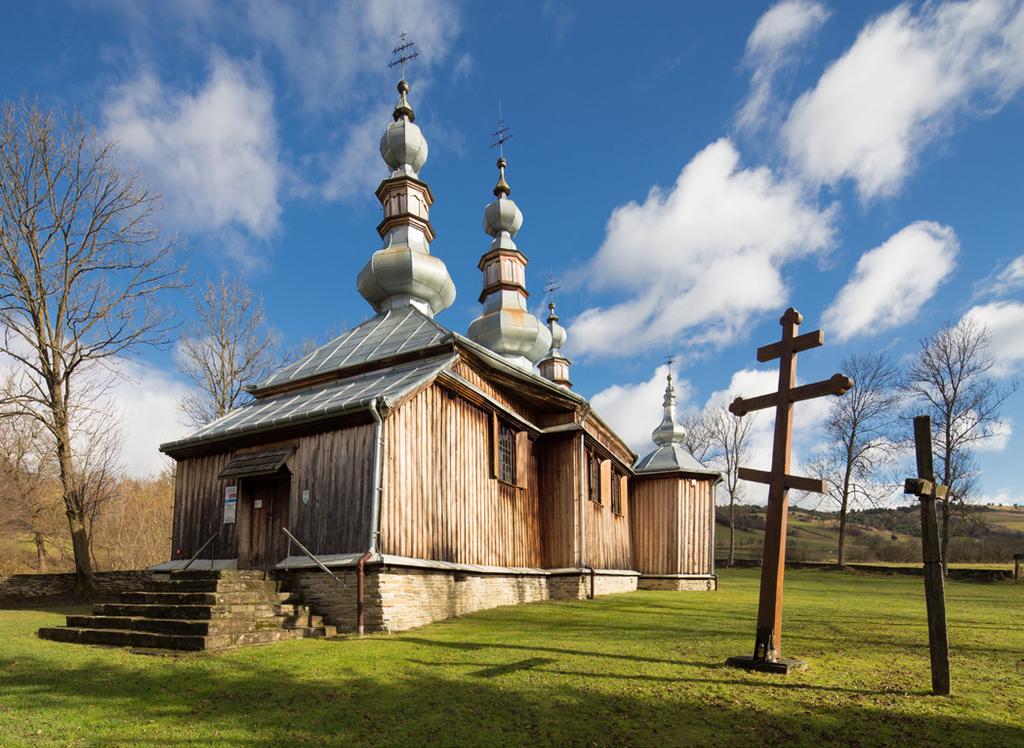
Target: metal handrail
x,y
309,553
203,548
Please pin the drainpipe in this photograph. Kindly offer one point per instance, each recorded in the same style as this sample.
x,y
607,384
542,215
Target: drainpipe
x,y
378,468
583,507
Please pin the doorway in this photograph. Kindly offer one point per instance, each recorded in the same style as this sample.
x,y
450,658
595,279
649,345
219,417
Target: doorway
x,y
262,544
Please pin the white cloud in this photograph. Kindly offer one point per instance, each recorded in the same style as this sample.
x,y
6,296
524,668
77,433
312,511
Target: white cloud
x,y
808,420
358,168
1002,432
702,257
770,48
893,281
898,88
213,154
327,49
1005,322
635,410
1010,278
147,399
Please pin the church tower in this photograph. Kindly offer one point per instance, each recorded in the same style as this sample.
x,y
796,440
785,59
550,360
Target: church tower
x,y
506,325
554,365
404,273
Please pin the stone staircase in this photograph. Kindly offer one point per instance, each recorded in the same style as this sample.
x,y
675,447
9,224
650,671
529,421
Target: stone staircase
x,y
197,611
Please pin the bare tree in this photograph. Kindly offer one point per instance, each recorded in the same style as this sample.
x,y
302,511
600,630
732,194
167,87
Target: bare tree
x,y
729,439
698,440
29,501
860,440
952,377
81,267
226,348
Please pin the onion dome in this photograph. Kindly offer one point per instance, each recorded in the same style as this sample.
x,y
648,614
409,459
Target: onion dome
x,y
506,325
670,454
404,273
403,147
554,365
668,431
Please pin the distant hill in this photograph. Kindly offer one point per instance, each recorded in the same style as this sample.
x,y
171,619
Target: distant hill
x,y
986,534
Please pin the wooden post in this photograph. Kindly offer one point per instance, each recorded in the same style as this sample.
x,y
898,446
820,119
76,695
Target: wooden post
x,y
768,636
931,551
1017,558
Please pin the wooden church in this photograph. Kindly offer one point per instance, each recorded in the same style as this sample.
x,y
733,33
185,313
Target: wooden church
x,y
403,472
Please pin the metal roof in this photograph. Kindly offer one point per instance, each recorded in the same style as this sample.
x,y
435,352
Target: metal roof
x,y
394,332
672,457
334,398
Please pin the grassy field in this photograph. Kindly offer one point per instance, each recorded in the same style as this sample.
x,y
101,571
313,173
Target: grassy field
x,y
637,669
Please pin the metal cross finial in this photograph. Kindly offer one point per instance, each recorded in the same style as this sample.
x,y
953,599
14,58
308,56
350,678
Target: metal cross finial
x,y
400,51
551,287
503,134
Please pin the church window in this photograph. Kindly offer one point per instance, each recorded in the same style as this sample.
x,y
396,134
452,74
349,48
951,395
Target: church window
x,y
506,454
593,477
616,490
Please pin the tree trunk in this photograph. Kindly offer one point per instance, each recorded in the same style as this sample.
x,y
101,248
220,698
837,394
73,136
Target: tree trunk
x,y
732,530
842,535
85,584
37,538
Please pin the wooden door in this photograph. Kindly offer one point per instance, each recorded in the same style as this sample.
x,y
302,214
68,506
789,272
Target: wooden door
x,y
266,502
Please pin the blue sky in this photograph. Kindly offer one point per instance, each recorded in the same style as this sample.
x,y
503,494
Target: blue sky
x,y
686,171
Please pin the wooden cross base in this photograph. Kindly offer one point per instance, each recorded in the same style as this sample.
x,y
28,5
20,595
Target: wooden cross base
x,y
781,666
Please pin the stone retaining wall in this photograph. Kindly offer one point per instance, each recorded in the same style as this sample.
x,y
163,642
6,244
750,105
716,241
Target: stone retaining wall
x,y
20,589
957,573
401,598
706,584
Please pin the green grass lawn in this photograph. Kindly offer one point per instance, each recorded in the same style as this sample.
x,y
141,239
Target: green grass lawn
x,y
636,669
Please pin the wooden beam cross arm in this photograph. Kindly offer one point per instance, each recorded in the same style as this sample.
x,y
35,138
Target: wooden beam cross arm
x,y
794,345
798,482
837,384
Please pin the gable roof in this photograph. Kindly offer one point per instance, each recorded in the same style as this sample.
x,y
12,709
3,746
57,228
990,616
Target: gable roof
x,y
385,357
387,385
387,335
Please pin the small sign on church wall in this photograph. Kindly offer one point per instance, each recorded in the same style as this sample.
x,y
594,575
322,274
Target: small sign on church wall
x,y
230,504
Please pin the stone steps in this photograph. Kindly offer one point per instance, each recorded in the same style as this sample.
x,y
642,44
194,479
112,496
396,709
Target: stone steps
x,y
196,610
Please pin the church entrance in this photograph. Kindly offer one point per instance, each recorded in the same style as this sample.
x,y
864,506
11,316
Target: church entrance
x,y
261,542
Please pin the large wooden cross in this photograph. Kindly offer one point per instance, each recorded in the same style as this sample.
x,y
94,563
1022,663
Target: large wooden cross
x,y
768,640
927,490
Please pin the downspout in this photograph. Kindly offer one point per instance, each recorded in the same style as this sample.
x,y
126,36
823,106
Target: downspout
x,y
378,467
583,506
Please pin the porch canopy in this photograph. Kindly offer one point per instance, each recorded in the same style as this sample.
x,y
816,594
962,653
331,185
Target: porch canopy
x,y
256,464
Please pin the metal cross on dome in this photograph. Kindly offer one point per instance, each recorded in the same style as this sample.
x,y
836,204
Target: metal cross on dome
x,y
502,135
405,45
768,640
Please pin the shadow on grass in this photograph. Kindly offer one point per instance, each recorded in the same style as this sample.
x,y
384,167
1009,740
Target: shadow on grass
x,y
250,702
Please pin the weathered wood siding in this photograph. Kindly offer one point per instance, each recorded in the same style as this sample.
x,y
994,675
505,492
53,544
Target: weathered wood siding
x,y
337,469
439,499
654,509
335,466
199,508
672,525
558,463
607,543
471,375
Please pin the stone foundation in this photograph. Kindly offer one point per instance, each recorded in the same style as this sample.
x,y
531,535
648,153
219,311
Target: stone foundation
x,y
33,588
401,598
678,584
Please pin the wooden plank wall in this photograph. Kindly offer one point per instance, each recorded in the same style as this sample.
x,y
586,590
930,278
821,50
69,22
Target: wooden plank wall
x,y
439,500
654,506
198,508
607,544
698,517
336,467
558,463
471,375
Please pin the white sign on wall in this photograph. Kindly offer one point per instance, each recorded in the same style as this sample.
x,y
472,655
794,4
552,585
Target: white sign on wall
x,y
230,504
